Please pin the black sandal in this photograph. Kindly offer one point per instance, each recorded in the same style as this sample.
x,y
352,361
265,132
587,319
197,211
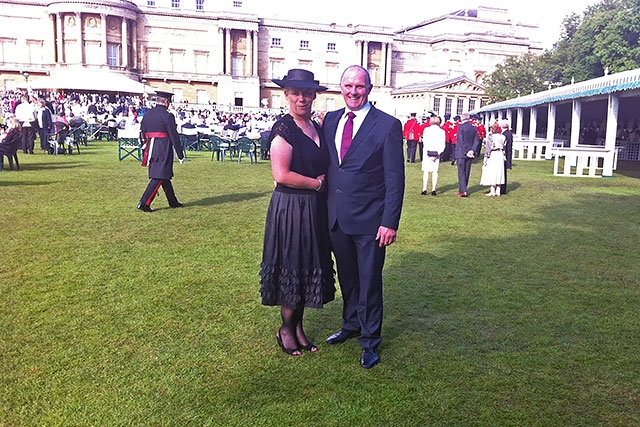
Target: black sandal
x,y
289,351
309,347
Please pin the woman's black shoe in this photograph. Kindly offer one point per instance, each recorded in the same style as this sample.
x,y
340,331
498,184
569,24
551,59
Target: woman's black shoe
x,y
289,351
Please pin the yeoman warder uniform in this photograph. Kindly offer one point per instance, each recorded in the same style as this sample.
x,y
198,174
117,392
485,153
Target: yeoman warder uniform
x,y
158,128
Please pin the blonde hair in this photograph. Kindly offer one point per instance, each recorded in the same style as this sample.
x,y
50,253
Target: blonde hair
x,y
12,122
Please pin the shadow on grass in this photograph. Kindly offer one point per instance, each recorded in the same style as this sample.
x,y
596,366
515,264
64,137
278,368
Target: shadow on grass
x,y
628,168
228,198
52,165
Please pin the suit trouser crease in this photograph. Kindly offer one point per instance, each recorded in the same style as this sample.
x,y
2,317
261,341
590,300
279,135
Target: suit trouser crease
x,y
464,170
412,146
152,190
359,261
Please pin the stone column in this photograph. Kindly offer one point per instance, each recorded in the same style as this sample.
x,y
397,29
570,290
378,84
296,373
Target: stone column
x,y
125,43
388,67
610,135
80,39
249,55
575,123
51,49
220,57
255,53
227,57
134,43
60,37
365,55
383,65
103,21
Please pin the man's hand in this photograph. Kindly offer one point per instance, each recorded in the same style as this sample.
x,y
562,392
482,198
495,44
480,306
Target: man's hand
x,y
470,154
385,236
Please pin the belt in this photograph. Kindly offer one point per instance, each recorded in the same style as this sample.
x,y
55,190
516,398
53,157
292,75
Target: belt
x,y
157,135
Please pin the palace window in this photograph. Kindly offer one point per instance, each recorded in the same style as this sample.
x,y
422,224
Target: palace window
x,y
460,105
304,44
436,105
472,104
175,4
276,41
237,3
277,67
151,2
331,47
447,105
199,4
113,55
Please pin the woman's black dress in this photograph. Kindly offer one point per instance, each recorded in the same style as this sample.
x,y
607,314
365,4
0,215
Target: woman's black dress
x,y
297,269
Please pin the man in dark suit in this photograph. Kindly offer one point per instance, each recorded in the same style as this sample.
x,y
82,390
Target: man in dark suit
x,y
508,152
467,144
365,191
45,123
158,128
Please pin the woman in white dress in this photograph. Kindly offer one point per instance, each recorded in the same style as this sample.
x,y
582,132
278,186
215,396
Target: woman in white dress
x,y
433,139
493,165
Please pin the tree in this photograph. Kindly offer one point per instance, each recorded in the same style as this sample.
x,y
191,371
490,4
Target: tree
x,y
605,38
517,75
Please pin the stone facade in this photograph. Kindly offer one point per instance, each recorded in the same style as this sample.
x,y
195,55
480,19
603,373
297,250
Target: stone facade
x,y
219,52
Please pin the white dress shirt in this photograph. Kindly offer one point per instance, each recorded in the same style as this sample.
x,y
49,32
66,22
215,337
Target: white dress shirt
x,y
361,114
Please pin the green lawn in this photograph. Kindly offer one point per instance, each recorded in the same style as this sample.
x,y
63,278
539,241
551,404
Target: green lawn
x,y
522,310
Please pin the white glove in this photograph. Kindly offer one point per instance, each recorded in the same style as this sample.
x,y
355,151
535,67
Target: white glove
x,y
182,160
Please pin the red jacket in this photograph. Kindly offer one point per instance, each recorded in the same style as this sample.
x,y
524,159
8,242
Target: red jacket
x,y
448,127
412,130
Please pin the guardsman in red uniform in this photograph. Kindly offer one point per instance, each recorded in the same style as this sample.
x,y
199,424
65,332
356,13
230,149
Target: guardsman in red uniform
x,y
482,131
423,126
158,130
411,133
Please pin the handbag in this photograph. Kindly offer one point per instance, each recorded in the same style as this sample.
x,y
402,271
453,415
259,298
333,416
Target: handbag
x,y
432,153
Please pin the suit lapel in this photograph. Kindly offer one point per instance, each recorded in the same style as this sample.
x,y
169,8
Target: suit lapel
x,y
331,123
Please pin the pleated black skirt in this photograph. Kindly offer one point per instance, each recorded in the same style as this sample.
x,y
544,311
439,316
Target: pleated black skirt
x,y
297,269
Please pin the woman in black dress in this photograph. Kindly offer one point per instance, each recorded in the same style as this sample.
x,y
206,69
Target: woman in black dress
x,y
297,269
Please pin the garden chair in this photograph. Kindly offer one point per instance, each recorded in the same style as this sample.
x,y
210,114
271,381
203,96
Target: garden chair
x,y
12,155
220,147
247,146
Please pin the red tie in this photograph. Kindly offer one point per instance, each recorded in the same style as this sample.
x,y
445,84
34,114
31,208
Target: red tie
x,y
347,134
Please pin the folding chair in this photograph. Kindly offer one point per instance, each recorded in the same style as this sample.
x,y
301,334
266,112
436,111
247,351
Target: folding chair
x,y
129,144
129,147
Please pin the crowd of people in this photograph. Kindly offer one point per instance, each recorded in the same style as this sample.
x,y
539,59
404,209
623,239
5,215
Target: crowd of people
x,y
38,114
459,140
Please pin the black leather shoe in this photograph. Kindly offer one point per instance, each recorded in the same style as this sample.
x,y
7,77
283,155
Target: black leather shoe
x,y
342,336
177,205
424,193
144,208
369,358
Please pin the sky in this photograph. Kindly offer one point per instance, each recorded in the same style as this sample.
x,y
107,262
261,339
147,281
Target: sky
x,y
548,14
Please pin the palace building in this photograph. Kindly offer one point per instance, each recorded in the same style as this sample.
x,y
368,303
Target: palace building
x,y
219,52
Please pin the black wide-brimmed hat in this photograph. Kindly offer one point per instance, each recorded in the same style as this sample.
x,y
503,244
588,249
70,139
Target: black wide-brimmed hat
x,y
301,79
165,95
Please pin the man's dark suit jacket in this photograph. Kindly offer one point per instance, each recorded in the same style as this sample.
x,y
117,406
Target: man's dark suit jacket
x,y
367,189
508,148
467,140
